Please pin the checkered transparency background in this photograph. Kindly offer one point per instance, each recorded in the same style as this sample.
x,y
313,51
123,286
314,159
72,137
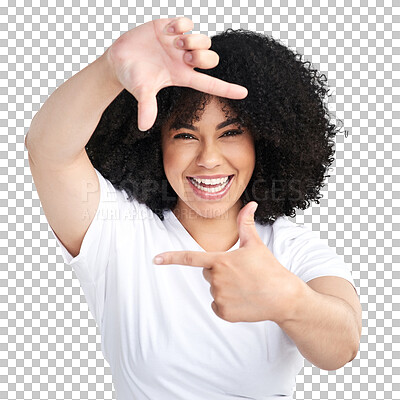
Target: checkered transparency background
x,y
49,343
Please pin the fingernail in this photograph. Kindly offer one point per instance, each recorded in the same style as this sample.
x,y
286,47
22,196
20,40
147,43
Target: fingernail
x,y
188,57
169,28
179,43
158,260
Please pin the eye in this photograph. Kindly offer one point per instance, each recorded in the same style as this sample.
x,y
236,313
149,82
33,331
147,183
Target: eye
x,y
183,136
187,136
233,133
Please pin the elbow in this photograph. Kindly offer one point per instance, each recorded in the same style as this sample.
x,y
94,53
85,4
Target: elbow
x,y
26,140
355,351
351,355
357,340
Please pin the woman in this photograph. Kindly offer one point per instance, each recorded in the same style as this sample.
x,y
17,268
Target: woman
x,y
197,295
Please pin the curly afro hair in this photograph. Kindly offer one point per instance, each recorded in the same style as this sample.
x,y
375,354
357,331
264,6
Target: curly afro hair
x,y
284,110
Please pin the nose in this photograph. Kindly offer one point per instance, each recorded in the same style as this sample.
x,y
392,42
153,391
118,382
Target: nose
x,y
209,156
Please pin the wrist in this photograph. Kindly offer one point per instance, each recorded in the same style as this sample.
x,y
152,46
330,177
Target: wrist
x,y
295,291
109,70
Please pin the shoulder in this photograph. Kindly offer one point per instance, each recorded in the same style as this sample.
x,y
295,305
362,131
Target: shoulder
x,y
291,241
285,231
118,200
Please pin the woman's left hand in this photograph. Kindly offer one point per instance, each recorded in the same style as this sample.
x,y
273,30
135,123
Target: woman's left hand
x,y
248,284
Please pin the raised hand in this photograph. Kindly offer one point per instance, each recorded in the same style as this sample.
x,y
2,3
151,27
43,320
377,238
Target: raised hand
x,y
248,284
157,54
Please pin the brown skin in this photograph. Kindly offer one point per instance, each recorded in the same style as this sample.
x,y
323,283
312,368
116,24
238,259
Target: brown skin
x,y
323,317
149,58
209,151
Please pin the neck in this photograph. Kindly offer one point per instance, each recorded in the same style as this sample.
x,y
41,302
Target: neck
x,y
212,233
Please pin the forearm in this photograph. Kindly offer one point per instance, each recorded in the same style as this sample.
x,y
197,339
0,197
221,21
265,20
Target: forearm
x,y
323,327
62,127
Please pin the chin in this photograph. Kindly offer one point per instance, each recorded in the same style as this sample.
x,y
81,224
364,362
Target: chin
x,y
212,212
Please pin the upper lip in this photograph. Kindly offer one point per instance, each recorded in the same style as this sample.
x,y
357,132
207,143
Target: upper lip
x,y
208,176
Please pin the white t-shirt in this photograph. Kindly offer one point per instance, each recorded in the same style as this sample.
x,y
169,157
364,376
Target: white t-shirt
x,y
159,333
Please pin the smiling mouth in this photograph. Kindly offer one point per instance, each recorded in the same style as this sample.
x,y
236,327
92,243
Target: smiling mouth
x,y
211,190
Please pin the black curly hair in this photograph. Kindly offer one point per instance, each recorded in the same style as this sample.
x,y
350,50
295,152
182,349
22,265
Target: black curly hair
x,y
284,110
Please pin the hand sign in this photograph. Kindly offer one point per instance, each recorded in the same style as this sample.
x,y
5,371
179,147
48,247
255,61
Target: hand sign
x,y
149,58
247,284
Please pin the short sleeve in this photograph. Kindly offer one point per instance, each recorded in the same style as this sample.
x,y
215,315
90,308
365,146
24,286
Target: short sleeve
x,y
91,263
313,258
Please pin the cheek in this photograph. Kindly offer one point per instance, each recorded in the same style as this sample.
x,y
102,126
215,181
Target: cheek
x,y
169,169
243,155
175,162
250,153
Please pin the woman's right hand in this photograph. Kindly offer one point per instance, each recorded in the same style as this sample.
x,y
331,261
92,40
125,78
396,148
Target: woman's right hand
x,y
149,58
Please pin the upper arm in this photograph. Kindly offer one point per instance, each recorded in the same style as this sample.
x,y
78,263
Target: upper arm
x,y
342,288
69,195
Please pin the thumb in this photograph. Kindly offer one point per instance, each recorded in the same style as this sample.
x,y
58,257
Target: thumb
x,y
246,225
147,110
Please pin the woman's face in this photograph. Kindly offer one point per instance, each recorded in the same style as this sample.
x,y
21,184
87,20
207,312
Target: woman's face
x,y
213,148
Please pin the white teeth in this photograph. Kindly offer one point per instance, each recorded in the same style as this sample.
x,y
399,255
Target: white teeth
x,y
218,181
210,190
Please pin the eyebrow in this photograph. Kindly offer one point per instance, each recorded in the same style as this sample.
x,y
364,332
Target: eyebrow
x,y
178,125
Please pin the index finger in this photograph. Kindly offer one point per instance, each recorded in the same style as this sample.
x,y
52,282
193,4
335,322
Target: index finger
x,y
215,86
190,258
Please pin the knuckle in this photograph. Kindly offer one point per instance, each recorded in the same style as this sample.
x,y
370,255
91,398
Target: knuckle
x,y
223,311
212,85
188,40
217,288
221,261
212,292
187,259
